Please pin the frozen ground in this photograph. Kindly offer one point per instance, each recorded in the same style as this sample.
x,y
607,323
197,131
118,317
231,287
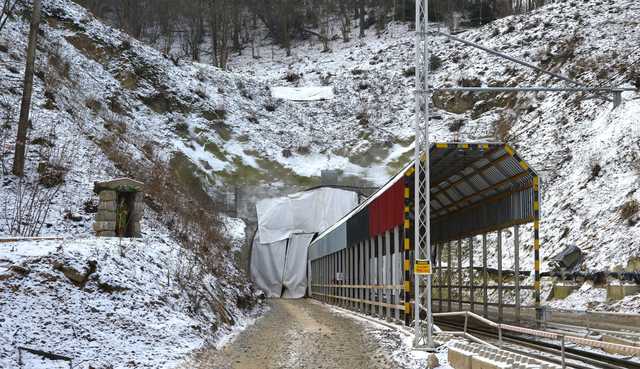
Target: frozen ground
x,y
110,303
308,334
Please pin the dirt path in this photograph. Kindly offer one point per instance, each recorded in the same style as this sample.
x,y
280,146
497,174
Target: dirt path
x,y
303,334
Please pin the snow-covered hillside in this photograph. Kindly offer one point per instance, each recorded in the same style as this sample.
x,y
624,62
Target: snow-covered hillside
x,y
113,105
586,152
111,303
103,107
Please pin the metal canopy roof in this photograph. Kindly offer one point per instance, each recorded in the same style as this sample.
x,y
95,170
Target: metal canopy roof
x,y
475,188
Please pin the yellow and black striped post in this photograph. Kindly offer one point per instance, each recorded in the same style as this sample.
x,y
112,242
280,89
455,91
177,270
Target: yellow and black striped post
x,y
536,232
536,246
407,242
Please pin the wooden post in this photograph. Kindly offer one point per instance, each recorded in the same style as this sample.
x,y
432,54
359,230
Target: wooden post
x,y
367,274
361,291
25,105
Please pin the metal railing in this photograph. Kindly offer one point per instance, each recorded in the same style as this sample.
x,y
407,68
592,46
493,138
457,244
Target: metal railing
x,y
562,338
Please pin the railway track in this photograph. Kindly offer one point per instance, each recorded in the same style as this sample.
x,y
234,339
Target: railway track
x,y
542,350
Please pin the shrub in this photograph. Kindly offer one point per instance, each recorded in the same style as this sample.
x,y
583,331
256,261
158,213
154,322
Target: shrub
x,y
502,127
94,104
469,82
456,125
270,106
629,209
435,62
409,72
292,76
594,168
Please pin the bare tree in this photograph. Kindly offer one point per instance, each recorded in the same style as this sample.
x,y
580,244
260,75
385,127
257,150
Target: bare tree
x,y
25,107
8,6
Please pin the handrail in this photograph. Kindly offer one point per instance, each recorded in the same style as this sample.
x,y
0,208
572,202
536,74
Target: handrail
x,y
626,349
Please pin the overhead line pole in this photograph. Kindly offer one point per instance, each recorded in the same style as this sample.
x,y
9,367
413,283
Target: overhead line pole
x,y
422,227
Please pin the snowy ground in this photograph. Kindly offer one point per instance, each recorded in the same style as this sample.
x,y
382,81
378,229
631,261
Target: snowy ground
x,y
130,311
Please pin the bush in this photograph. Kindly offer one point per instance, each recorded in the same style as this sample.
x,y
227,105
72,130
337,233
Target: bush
x,y
435,62
292,76
502,127
629,209
409,72
456,125
594,168
94,104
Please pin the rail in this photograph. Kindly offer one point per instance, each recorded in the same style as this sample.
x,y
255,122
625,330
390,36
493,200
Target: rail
x,y
563,338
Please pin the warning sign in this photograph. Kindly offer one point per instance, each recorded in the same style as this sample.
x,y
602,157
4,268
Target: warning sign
x,y
422,267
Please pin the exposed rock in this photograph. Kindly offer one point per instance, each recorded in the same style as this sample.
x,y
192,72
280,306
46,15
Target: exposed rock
x,y
432,361
73,216
78,277
19,269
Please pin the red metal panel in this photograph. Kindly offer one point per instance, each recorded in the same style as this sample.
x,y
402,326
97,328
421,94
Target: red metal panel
x,y
386,211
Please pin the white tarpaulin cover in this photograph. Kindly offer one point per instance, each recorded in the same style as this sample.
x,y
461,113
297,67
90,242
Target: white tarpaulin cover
x,y
302,212
286,226
267,266
294,279
310,93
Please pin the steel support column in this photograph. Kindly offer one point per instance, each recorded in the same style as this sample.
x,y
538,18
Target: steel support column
x,y
422,199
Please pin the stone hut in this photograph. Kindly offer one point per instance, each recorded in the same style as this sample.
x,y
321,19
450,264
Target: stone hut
x,y
120,208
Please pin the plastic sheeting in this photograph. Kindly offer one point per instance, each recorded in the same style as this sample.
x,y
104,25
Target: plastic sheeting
x,y
303,212
309,93
280,268
267,266
294,279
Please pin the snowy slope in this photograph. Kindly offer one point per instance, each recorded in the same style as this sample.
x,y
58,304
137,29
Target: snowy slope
x,y
112,303
563,136
144,305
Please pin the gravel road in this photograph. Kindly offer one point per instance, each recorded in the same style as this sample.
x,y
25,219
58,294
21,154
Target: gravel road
x,y
307,334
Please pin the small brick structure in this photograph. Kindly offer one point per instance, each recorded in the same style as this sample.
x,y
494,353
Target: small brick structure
x,y
120,208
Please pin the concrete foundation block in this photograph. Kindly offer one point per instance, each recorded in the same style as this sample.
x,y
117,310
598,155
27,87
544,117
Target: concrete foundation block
x,y
618,292
459,359
619,341
479,362
563,290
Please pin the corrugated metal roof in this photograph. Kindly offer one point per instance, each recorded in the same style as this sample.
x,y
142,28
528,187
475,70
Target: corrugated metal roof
x,y
475,188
